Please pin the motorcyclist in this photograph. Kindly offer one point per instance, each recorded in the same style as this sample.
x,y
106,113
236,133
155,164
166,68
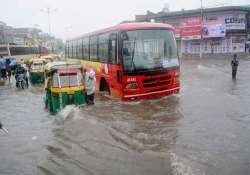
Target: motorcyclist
x,y
8,68
21,70
3,67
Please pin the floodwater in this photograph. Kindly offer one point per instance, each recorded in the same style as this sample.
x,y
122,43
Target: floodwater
x,y
202,131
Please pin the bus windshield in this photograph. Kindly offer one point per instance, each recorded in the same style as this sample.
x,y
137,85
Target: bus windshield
x,y
149,50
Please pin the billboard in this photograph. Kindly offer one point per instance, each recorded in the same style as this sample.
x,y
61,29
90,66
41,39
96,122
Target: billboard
x,y
234,21
192,21
213,29
191,33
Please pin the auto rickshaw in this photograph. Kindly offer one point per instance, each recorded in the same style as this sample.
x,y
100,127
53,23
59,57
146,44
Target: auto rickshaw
x,y
51,57
64,85
37,74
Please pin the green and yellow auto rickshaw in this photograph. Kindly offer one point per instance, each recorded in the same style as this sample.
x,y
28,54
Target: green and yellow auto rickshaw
x,y
37,74
64,85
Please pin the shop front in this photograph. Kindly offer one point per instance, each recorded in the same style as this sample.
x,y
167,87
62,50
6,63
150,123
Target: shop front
x,y
216,34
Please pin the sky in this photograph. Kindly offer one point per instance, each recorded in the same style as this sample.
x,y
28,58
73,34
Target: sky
x,y
70,18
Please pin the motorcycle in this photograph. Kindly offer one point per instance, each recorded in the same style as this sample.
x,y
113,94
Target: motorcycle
x,y
21,81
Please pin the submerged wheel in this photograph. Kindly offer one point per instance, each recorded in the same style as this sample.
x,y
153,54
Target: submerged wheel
x,y
19,84
24,84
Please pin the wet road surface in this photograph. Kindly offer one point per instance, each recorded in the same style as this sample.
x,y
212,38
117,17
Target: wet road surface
x,y
204,130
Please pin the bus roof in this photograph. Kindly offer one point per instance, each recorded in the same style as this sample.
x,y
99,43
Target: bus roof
x,y
128,26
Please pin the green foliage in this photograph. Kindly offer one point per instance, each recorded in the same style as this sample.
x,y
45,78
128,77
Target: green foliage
x,y
59,46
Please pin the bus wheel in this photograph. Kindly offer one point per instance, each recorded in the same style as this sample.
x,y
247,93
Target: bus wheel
x,y
104,86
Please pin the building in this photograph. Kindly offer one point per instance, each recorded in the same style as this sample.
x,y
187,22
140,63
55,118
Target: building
x,y
214,30
25,37
22,36
2,32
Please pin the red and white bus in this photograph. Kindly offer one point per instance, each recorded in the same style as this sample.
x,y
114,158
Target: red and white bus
x,y
132,61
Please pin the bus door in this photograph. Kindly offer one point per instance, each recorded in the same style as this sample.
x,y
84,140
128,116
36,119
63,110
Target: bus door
x,y
114,67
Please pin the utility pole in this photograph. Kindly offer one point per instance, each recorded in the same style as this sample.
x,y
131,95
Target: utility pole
x,y
201,40
48,10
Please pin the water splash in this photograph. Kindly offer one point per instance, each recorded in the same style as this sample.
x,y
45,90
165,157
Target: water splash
x,y
178,167
67,113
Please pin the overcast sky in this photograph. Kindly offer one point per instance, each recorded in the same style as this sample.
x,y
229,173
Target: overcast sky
x,y
70,18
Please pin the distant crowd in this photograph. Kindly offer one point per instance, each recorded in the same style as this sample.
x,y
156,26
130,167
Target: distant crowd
x,y
10,66
7,66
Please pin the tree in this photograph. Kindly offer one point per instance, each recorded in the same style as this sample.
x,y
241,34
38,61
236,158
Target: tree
x,y
59,45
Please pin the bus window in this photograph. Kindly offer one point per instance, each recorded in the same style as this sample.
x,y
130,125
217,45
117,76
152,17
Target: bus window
x,y
149,49
71,49
103,45
78,46
112,48
65,49
68,49
85,48
75,49
93,48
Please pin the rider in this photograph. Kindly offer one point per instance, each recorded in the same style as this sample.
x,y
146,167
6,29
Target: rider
x,y
21,70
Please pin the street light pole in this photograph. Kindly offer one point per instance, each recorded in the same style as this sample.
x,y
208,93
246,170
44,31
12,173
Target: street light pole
x,y
48,10
201,40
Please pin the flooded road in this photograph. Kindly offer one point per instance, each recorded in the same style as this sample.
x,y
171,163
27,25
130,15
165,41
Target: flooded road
x,y
204,130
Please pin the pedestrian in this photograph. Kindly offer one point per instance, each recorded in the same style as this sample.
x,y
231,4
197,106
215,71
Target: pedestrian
x,y
90,82
3,67
1,63
234,64
8,68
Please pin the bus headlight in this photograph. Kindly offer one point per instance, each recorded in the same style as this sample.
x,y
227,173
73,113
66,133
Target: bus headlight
x,y
132,85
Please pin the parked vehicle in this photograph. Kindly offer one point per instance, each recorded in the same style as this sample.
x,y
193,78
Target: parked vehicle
x,y
63,85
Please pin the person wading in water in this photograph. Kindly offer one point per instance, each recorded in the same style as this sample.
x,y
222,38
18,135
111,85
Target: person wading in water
x,y
234,64
90,82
